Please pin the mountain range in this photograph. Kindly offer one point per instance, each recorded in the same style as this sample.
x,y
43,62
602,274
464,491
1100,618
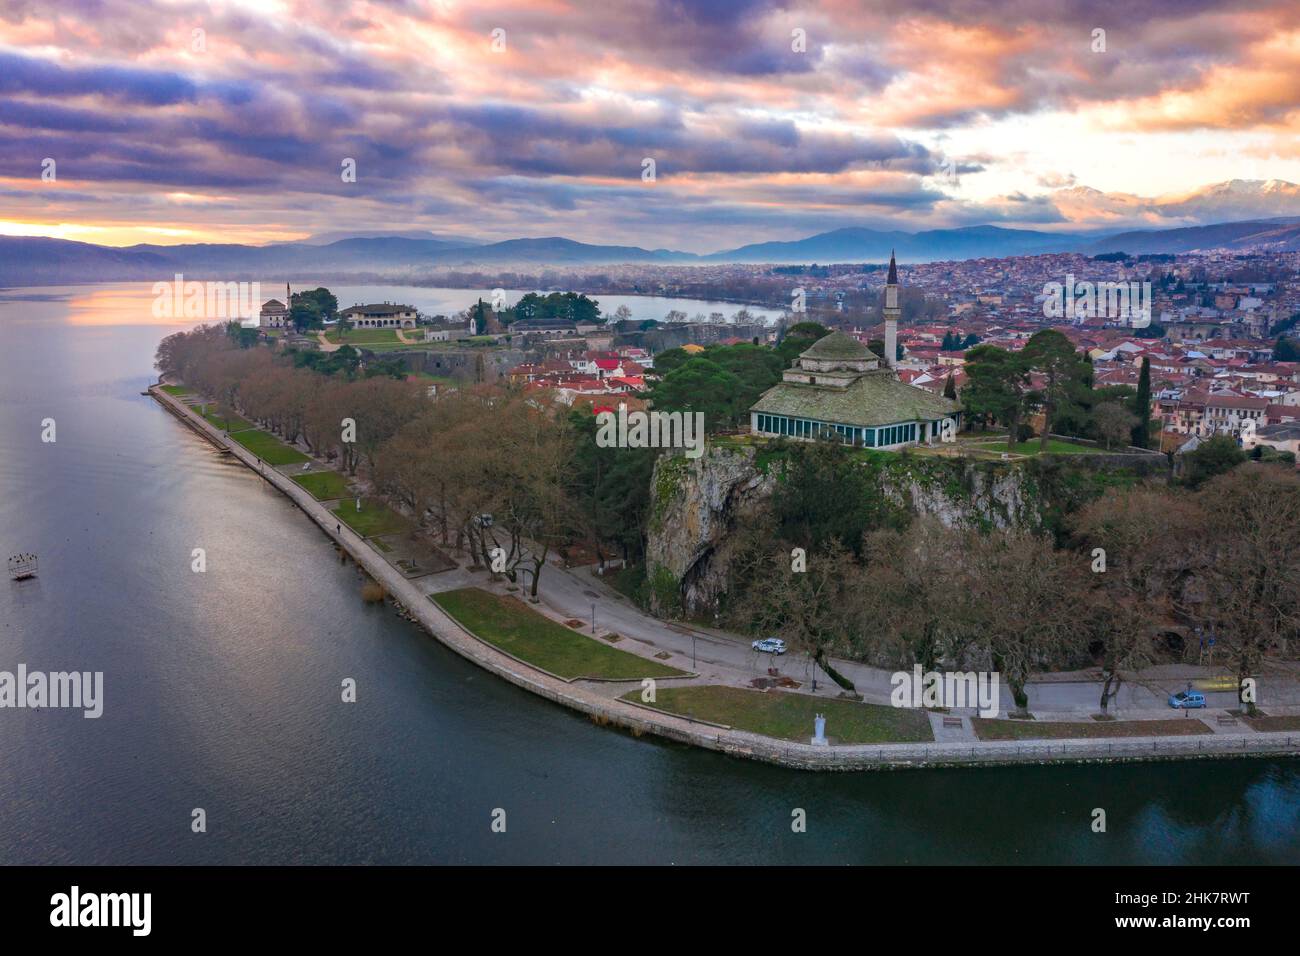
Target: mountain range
x,y
44,261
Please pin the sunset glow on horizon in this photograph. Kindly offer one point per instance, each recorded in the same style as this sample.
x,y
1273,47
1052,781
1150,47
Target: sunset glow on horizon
x,y
231,122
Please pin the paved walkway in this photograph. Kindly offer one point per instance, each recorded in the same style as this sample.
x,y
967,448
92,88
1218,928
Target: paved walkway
x,y
587,699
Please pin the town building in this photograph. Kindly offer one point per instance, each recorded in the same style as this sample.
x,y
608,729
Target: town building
x,y
383,315
839,388
275,314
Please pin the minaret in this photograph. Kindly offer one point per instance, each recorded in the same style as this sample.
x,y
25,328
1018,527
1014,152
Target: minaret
x,y
891,314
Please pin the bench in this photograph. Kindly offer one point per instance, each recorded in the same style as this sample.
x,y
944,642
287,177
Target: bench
x,y
1226,721
952,722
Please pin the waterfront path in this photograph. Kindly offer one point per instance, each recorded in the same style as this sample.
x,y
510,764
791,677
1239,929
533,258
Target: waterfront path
x,y
599,702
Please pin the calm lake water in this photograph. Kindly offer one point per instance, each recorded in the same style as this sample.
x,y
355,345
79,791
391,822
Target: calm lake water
x,y
222,690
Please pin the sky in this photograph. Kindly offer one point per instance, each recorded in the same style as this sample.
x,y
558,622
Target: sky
x,y
128,121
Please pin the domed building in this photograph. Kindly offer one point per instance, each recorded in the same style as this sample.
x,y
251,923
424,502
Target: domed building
x,y
840,388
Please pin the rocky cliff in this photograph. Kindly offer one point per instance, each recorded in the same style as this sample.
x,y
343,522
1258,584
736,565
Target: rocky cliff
x,y
696,503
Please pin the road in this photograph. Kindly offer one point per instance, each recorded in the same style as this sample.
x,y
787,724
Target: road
x,y
728,658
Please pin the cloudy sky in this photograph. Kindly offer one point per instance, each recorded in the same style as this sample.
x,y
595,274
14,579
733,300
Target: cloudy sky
x,y
231,121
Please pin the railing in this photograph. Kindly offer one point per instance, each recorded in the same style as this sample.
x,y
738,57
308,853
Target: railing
x,y
996,751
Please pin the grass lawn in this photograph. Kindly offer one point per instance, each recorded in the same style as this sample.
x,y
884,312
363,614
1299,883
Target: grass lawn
x,y
440,380
268,448
790,716
511,625
364,337
176,390
225,419
1266,724
1090,729
375,517
1054,447
324,485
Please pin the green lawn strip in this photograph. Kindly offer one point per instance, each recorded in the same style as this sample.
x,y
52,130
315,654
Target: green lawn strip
x,y
789,716
363,336
268,448
323,485
375,517
512,626
1266,724
1092,729
176,390
225,419
1031,447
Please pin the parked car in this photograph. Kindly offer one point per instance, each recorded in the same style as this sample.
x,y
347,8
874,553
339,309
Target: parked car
x,y
1187,698
769,645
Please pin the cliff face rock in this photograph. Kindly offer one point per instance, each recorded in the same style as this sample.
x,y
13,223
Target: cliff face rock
x,y
696,504
961,495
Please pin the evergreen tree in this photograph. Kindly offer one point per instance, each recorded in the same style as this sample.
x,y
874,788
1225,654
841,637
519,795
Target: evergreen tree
x,y
1142,406
950,386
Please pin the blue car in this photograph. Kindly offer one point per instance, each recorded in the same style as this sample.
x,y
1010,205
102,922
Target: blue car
x,y
1187,698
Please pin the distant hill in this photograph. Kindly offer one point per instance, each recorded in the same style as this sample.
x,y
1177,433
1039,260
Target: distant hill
x,y
557,250
28,260
1278,235
870,245
36,260
325,238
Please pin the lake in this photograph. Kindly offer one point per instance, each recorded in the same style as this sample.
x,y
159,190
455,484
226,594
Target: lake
x,y
222,688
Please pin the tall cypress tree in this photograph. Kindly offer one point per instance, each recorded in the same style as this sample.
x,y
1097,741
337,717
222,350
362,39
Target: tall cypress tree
x,y
1142,405
950,386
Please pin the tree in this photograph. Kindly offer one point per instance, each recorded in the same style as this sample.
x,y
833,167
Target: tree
x,y
825,496
1024,603
305,317
1147,540
1052,354
1114,423
815,611
950,386
671,359
1286,350
914,595
312,308
996,385
612,489
699,385
798,339
1142,406
756,367
1215,456
1246,587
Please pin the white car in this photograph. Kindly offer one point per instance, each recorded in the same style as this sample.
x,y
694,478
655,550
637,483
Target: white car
x,y
769,645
